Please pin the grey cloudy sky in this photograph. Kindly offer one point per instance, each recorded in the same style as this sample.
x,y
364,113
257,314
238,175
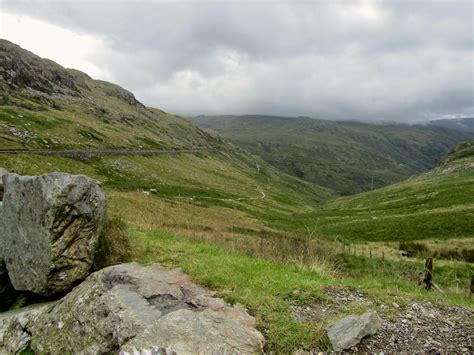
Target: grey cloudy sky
x,y
367,60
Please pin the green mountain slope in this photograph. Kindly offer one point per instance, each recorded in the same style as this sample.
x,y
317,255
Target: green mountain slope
x,y
438,204
45,106
349,157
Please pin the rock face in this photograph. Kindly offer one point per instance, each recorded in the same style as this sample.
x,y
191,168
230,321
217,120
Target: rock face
x,y
131,308
50,226
349,331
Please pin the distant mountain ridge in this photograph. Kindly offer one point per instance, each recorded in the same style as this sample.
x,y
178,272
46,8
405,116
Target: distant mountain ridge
x,y
349,156
465,124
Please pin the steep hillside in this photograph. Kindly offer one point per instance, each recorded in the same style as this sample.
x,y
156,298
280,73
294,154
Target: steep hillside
x,y
436,205
349,157
45,106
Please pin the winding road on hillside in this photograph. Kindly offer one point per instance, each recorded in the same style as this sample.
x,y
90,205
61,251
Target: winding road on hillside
x,y
87,154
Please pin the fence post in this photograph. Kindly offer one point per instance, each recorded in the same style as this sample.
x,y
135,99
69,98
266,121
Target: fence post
x,y
383,255
471,291
370,253
428,273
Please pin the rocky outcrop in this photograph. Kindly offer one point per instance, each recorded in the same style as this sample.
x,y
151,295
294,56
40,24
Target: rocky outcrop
x,y
22,69
349,331
133,309
50,227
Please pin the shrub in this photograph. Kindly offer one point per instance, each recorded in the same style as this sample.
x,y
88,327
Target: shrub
x,y
114,245
414,249
454,254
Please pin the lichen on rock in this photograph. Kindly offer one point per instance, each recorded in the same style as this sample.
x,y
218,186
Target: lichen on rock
x,y
130,308
50,227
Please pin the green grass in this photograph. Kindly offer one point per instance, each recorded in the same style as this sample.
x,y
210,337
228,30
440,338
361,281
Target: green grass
x,y
434,205
267,288
263,286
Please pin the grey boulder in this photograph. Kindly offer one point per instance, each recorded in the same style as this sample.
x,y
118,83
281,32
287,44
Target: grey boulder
x,y
135,309
50,228
349,331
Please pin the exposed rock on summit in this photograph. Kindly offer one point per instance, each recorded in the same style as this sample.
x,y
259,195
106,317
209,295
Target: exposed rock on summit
x,y
50,227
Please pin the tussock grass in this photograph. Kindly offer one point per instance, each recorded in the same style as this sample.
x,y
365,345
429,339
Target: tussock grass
x,y
113,245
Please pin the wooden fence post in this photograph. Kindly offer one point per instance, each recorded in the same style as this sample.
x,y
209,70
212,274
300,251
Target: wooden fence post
x,y
471,291
383,255
428,273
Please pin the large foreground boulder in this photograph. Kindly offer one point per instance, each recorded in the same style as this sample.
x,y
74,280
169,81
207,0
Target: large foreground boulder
x,y
135,309
349,331
50,228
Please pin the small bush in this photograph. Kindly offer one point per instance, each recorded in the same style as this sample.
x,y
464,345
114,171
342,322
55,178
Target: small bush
x,y
114,245
414,249
468,255
454,254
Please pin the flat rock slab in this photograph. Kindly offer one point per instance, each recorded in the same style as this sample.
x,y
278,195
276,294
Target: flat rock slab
x,y
349,331
135,309
50,226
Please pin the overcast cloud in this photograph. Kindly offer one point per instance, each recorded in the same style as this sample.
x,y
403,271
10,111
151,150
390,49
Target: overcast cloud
x,y
366,60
